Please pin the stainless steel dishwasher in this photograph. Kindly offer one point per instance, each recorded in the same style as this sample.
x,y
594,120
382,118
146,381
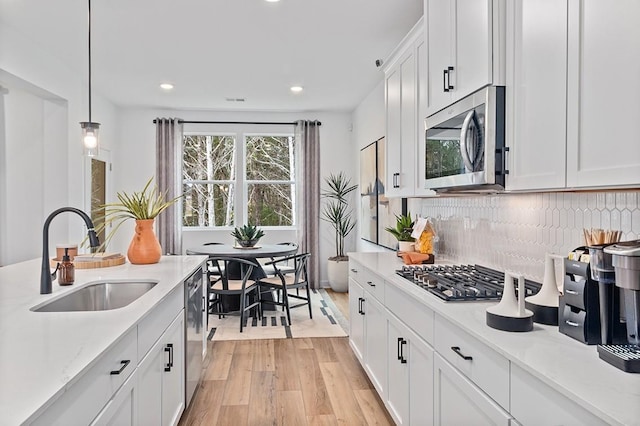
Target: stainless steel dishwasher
x,y
194,331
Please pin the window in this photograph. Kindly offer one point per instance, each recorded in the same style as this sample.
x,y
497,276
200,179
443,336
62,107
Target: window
x,y
231,179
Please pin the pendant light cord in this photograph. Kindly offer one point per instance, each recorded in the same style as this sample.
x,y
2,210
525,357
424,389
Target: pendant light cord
x,y
89,61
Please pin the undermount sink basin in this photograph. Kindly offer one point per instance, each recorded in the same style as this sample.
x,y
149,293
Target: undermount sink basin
x,y
99,296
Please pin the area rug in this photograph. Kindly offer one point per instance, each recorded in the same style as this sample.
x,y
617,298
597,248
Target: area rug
x,y
327,322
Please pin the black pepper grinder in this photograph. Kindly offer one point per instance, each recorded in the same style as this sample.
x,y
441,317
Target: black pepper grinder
x,y
67,270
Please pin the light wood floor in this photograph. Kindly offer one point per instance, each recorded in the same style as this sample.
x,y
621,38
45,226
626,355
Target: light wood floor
x,y
315,381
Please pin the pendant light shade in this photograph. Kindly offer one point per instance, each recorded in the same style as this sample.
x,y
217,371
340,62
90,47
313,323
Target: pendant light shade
x,y
90,133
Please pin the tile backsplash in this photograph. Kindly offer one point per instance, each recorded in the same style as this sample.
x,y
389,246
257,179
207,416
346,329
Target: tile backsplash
x,y
514,231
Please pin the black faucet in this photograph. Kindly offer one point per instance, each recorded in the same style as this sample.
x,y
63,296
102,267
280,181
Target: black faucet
x,y
46,276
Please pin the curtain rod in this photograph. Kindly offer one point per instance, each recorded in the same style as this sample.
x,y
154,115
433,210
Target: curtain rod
x,y
235,122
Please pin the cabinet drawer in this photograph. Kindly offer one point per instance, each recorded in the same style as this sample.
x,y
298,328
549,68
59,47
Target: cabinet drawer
x,y
574,292
486,368
535,403
154,324
83,399
371,282
411,312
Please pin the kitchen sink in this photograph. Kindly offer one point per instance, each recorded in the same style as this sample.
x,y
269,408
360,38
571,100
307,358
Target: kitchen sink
x,y
99,296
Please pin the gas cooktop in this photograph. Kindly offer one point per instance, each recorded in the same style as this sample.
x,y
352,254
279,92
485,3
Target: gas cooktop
x,y
461,282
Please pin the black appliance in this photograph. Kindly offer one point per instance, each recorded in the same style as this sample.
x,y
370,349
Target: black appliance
x,y
461,282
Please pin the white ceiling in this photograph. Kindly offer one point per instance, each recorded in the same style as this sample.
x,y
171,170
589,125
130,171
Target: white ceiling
x,y
217,49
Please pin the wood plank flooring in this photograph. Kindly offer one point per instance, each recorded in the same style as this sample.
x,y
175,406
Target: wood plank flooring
x,y
316,381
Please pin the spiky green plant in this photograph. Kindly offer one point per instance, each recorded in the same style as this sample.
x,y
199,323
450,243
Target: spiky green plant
x,y
403,229
247,233
147,204
336,210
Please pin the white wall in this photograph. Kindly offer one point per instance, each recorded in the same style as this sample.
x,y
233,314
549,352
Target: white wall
x,y
134,163
368,126
41,153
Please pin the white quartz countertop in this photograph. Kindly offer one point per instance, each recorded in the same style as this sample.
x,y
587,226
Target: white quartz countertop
x,y
41,353
568,366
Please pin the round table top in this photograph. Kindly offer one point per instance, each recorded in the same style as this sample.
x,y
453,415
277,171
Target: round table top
x,y
258,251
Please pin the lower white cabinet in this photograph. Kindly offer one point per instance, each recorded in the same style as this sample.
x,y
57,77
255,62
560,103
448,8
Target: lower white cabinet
x,y
161,382
122,409
457,401
409,395
356,319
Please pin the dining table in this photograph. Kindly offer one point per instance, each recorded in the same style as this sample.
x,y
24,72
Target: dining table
x,y
249,253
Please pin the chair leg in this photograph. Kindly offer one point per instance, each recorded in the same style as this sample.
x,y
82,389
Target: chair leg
x,y
309,301
242,304
285,300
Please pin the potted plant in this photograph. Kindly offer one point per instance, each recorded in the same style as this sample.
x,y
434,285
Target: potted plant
x,y
247,235
143,207
337,212
402,232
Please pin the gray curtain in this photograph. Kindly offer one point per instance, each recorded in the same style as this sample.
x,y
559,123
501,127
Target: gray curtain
x,y
308,189
168,166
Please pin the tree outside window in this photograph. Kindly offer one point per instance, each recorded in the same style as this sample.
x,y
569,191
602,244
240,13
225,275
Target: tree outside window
x,y
220,178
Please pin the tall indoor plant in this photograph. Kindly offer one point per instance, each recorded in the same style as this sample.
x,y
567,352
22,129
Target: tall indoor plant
x,y
339,214
143,207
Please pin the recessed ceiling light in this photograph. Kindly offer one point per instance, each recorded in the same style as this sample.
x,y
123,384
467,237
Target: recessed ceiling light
x,y
272,1
296,89
166,86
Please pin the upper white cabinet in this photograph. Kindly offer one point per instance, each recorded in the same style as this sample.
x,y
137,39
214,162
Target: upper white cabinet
x,y
536,95
603,93
567,120
405,108
465,40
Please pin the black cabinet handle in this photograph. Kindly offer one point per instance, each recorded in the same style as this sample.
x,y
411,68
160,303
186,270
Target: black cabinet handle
x,y
395,180
445,86
169,348
449,86
371,283
402,343
360,305
355,271
456,349
124,363
399,348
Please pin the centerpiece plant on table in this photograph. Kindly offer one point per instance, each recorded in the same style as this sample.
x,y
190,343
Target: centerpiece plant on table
x,y
247,235
143,207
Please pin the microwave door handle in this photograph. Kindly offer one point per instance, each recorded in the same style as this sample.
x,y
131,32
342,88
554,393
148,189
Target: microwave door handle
x,y
464,134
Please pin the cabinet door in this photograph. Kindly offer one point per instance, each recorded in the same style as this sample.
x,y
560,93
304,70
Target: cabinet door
x,y
375,332
410,375
603,67
457,401
394,132
473,47
537,100
161,378
422,91
173,380
122,409
356,319
408,108
438,33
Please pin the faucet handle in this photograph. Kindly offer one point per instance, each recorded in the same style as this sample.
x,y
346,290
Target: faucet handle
x,y
54,274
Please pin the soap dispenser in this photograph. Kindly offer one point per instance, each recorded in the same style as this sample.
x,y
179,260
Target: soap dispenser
x,y
67,269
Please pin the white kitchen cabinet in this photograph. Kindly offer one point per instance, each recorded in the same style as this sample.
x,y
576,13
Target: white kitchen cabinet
x,y
401,106
533,403
122,409
409,396
465,40
457,401
161,393
603,102
367,316
536,95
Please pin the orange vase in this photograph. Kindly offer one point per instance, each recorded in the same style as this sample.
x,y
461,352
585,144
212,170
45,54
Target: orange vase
x,y
144,248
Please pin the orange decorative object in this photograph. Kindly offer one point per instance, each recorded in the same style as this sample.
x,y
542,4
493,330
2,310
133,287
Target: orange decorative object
x,y
417,258
144,248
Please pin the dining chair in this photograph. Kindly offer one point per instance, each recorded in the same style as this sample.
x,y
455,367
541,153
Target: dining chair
x,y
224,287
285,268
283,283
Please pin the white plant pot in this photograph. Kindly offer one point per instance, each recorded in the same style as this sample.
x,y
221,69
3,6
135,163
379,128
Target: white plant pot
x,y
338,272
406,246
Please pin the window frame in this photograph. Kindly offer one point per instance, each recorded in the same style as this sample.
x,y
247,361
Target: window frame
x,y
241,183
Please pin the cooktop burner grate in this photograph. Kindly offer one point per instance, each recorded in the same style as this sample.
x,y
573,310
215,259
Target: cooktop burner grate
x,y
461,282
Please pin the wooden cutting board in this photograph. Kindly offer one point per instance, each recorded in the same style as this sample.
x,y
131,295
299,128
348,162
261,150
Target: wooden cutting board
x,y
120,260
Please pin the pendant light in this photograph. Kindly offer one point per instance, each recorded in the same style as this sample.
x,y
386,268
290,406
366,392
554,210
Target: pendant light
x,y
90,138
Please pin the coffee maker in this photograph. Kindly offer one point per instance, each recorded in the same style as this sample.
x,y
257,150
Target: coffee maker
x,y
626,262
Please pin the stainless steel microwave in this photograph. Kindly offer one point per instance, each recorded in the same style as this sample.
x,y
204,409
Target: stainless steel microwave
x,y
465,148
